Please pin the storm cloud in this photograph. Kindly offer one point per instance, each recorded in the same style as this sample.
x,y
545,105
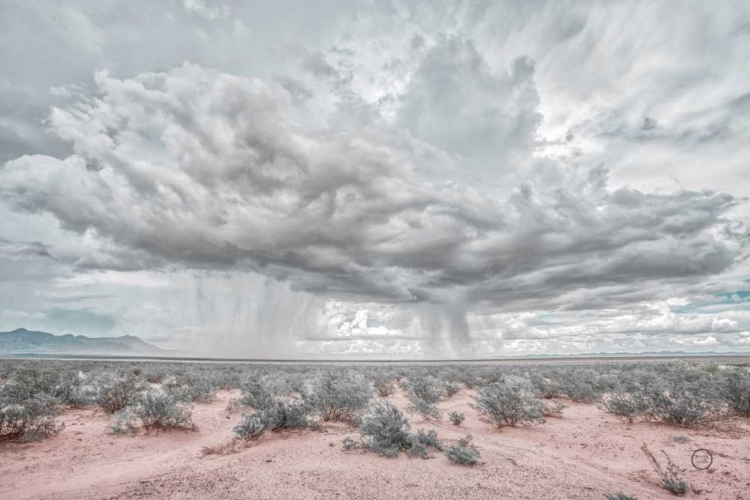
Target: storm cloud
x,y
445,186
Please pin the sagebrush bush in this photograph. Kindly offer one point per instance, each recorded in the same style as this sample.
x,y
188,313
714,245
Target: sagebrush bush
x,y
125,422
340,397
619,496
736,392
545,387
678,406
428,411
456,417
114,394
198,388
350,444
31,419
251,427
385,430
502,405
384,386
625,406
257,394
463,453
286,415
29,383
422,443
161,410
451,389
427,438
553,409
427,388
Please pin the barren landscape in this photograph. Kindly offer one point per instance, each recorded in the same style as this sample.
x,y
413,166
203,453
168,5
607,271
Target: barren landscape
x,y
583,452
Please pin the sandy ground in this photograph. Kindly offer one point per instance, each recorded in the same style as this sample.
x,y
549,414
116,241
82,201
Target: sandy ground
x,y
581,456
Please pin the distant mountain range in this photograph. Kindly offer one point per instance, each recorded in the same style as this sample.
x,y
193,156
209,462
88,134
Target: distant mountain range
x,y
22,341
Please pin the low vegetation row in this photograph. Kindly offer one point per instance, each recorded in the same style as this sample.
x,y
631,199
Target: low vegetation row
x,y
159,395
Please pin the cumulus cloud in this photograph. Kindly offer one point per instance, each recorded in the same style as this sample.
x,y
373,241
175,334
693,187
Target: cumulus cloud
x,y
419,178
204,169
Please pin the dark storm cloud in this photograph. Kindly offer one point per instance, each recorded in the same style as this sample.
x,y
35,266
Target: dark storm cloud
x,y
204,169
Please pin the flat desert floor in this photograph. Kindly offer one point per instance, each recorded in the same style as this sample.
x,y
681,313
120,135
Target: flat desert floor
x,y
583,455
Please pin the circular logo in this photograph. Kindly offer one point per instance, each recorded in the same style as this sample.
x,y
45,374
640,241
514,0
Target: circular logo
x,y
702,459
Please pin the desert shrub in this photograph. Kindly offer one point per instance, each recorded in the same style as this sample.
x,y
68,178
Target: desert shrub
x,y
199,388
422,442
428,411
502,405
384,386
251,427
427,438
625,406
155,374
545,387
257,394
350,444
451,389
463,453
580,390
711,367
28,420
161,410
553,409
670,477
340,398
679,407
429,389
619,496
114,394
385,430
82,395
125,422
29,383
456,417
736,392
286,415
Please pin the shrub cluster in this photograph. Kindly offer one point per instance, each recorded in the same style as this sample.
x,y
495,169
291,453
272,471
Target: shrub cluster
x,y
463,453
280,415
29,419
456,417
502,405
386,431
153,409
340,397
116,393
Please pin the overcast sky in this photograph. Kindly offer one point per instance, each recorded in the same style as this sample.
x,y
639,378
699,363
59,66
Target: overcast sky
x,y
382,179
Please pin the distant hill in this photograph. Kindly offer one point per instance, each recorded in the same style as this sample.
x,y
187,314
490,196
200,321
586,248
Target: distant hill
x,y
22,341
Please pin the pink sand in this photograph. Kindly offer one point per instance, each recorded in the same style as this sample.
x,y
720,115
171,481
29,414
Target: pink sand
x,y
581,456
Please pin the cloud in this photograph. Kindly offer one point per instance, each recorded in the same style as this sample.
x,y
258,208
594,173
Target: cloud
x,y
456,103
203,169
202,9
413,177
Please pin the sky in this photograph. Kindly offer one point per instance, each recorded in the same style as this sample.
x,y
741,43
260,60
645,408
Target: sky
x,y
378,180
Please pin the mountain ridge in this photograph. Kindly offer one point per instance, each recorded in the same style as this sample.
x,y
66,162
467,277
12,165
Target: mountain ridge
x,y
22,340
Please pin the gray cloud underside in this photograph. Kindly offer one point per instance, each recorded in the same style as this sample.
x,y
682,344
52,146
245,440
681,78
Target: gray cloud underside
x,y
202,169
